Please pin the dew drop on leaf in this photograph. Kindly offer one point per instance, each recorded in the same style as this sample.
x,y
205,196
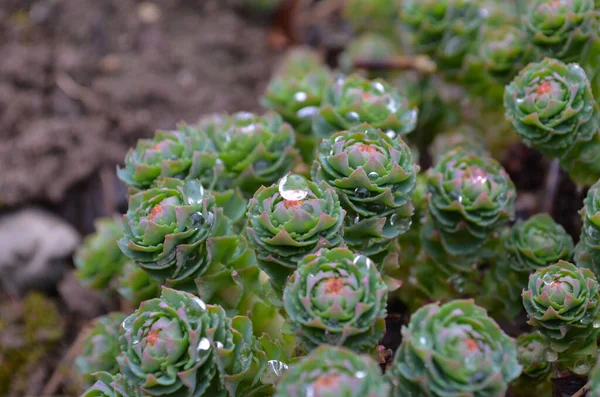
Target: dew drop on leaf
x,y
293,187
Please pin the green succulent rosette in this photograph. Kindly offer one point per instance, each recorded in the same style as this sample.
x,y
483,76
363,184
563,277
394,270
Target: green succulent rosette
x,y
587,251
551,107
534,379
375,177
100,348
109,385
330,371
98,259
561,301
336,297
178,345
454,349
470,198
561,29
527,246
184,153
135,285
166,229
444,29
368,46
252,150
500,54
291,219
353,100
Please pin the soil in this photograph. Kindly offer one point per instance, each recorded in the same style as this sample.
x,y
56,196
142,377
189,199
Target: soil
x,y
81,81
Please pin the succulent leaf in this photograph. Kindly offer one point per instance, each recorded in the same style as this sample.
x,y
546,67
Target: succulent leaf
x,y
587,251
109,385
336,297
136,285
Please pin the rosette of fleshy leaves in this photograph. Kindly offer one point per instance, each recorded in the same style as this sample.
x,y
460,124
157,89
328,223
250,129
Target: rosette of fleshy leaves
x,y
501,52
531,350
375,177
98,259
135,285
453,349
587,251
444,29
184,153
253,150
178,345
100,348
291,219
369,46
561,29
529,245
336,297
550,105
561,301
110,385
166,230
330,371
371,15
352,100
470,198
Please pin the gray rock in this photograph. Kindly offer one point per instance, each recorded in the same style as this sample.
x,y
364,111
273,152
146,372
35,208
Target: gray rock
x,y
36,249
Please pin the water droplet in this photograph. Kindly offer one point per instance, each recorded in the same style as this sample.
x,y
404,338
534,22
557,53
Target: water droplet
x,y
197,220
248,129
307,112
357,219
596,324
293,187
219,345
373,134
391,105
391,134
582,368
325,147
200,302
423,341
126,325
338,138
352,116
373,175
393,219
361,192
300,96
378,87
204,344
551,355
360,374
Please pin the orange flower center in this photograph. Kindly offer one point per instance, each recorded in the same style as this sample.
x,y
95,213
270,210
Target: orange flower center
x,y
334,286
472,345
543,88
152,337
367,149
326,382
291,203
155,211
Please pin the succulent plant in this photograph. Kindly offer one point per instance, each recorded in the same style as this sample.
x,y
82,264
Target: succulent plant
x,y
550,104
136,285
561,29
352,100
444,29
531,349
368,46
178,345
375,177
184,153
336,297
333,371
465,137
529,245
470,198
166,229
291,219
109,385
587,251
453,349
371,15
100,348
561,301
99,259
252,150
299,61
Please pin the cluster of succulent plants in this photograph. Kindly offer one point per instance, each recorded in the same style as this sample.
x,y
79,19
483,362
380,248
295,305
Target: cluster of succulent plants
x,y
281,243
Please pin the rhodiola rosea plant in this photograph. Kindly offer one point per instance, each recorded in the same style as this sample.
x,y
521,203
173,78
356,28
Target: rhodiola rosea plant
x,y
289,252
